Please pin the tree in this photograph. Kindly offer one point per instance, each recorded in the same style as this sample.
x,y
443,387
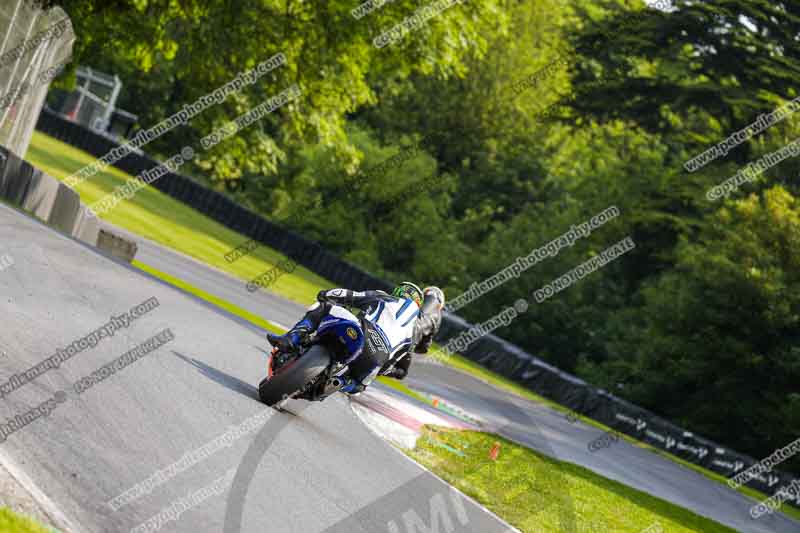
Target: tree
x,y
714,345
698,72
182,50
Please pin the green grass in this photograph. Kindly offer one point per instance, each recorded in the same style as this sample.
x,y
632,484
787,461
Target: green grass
x,y
10,521
400,387
538,494
158,217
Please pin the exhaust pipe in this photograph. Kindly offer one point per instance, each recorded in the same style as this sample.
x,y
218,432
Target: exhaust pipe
x,y
334,384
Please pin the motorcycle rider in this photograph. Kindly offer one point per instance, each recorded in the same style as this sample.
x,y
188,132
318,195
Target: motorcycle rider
x,y
395,316
425,328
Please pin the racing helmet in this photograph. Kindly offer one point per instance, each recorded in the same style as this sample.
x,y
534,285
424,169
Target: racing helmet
x,y
433,298
408,290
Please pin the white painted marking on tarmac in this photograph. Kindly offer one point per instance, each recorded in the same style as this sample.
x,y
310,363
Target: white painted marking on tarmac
x,y
48,506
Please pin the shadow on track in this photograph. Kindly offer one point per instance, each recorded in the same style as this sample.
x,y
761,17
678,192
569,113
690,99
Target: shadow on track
x,y
218,376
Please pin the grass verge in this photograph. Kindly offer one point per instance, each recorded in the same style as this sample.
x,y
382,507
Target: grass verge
x,y
400,387
538,494
10,521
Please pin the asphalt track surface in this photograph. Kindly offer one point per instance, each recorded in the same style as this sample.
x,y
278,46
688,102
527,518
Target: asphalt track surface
x,y
313,468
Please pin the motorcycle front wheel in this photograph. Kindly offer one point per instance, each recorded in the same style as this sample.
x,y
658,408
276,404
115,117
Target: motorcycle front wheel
x,y
294,375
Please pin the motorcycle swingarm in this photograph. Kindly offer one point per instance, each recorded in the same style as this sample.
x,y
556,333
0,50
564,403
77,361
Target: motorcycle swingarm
x,y
325,384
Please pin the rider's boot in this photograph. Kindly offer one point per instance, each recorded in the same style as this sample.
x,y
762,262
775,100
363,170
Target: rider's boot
x,y
397,373
358,382
352,386
291,340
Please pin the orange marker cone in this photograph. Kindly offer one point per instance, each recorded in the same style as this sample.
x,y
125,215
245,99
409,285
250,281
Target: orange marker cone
x,y
436,402
495,451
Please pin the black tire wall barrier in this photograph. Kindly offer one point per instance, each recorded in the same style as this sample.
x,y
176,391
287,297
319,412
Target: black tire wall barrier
x,y
489,351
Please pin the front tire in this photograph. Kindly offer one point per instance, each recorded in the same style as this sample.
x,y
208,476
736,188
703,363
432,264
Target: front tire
x,y
294,376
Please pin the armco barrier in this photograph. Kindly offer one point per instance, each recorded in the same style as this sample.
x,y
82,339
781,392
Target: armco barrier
x,y
489,351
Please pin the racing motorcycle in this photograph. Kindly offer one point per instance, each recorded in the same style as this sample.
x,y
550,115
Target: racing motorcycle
x,y
321,365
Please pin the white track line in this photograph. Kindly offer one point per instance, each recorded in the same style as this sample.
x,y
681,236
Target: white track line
x,y
48,506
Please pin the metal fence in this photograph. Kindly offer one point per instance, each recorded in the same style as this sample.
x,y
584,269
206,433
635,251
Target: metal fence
x,y
35,45
94,98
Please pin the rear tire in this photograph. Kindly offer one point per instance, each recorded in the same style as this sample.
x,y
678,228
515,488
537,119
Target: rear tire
x,y
294,376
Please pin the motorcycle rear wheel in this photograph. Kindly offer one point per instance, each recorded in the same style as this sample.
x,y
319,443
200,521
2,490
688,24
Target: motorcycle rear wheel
x,y
294,376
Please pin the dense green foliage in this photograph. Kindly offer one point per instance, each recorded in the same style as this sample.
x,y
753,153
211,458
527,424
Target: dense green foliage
x,y
535,116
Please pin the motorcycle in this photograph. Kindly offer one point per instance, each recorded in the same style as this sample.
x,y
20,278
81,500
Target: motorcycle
x,y
321,365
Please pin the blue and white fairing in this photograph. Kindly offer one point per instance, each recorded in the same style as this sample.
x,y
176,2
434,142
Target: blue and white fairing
x,y
341,323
